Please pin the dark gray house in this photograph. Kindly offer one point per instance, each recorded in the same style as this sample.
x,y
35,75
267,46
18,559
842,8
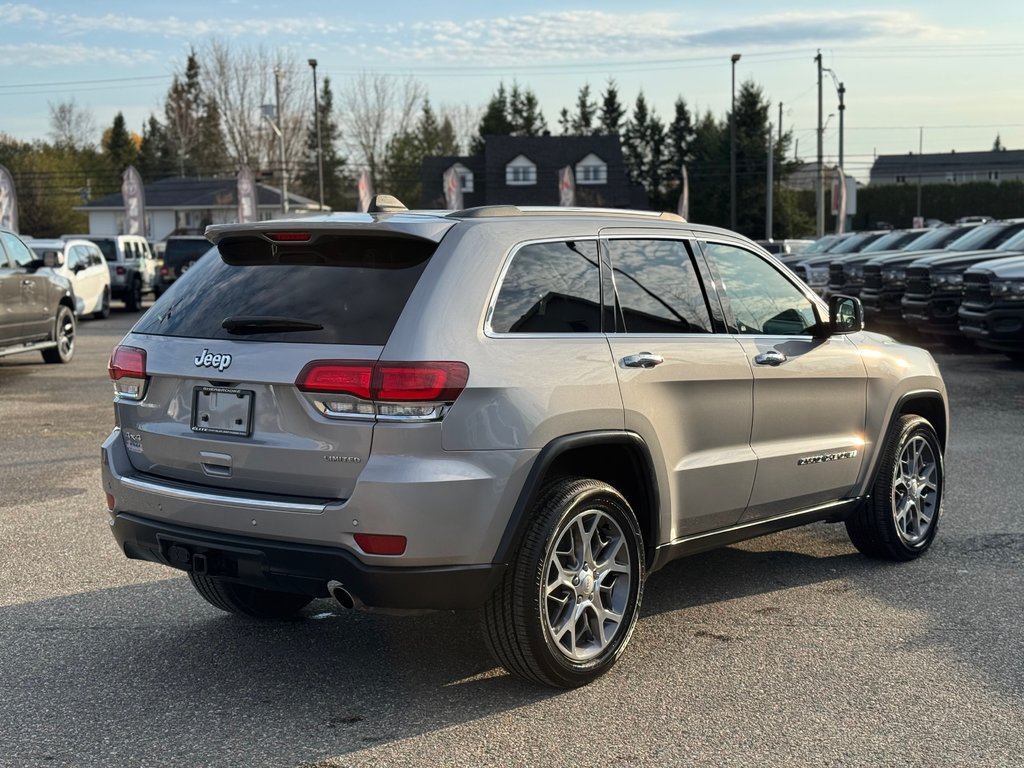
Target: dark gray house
x,y
949,168
523,170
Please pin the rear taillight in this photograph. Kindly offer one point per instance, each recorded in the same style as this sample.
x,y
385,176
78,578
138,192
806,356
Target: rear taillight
x,y
417,391
120,270
127,369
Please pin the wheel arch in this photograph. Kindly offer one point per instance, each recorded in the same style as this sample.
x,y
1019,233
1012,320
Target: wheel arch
x,y
621,459
928,404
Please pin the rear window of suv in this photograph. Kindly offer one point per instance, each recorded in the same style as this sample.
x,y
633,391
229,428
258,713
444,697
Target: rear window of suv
x,y
342,290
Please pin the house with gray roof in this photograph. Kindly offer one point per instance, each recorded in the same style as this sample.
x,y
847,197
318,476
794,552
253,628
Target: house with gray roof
x,y
949,167
524,170
183,206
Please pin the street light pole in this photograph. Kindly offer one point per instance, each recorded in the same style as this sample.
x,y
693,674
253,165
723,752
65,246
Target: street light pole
x,y
319,144
732,148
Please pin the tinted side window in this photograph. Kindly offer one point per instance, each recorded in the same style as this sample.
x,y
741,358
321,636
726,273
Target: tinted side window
x,y
77,256
131,250
761,300
658,287
551,288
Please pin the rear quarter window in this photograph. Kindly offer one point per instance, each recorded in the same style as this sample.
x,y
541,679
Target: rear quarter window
x,y
550,288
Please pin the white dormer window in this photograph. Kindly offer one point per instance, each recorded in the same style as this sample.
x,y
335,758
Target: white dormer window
x,y
465,177
591,170
521,172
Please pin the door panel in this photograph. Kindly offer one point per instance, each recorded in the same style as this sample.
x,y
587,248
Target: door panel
x,y
808,422
809,391
694,411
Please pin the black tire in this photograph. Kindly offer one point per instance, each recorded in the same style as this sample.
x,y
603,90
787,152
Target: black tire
x,y
252,602
104,311
605,587
133,298
900,519
64,335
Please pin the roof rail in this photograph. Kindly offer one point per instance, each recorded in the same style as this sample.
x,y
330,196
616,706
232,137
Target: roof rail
x,y
497,211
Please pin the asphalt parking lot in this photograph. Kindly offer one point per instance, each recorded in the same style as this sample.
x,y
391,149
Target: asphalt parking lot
x,y
791,650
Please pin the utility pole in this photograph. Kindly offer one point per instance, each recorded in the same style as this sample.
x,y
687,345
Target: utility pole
x,y
842,109
820,176
920,149
280,139
732,148
769,187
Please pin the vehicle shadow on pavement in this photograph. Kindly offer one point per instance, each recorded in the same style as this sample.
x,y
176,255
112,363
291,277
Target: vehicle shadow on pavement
x,y
150,674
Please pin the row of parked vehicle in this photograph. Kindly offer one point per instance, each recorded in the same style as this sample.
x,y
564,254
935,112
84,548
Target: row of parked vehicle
x,y
961,283
46,285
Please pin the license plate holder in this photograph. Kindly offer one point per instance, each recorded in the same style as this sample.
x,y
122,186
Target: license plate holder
x,y
222,410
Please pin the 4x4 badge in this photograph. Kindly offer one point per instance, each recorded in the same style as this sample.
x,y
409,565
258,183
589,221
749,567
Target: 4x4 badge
x,y
208,359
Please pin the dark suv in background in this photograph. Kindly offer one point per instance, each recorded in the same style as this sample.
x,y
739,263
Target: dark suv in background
x,y
181,252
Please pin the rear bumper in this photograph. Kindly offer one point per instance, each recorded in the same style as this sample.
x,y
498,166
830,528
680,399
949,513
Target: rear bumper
x,y
302,568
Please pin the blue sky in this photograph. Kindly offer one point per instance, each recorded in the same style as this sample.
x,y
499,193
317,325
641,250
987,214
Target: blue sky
x,y
947,67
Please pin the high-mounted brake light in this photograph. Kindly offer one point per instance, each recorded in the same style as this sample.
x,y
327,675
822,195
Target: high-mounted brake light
x,y
289,237
397,390
127,369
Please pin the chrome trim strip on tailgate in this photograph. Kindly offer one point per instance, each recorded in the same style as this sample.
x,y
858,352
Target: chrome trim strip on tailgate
x,y
184,494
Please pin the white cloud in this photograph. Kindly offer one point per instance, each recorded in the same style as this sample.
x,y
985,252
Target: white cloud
x,y
69,54
17,13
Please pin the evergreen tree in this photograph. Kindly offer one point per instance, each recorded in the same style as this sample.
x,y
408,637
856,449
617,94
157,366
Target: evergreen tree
x,y
515,113
119,145
495,121
997,145
193,126
338,185
643,149
155,160
709,171
612,112
565,122
406,150
210,154
586,110
524,113
678,152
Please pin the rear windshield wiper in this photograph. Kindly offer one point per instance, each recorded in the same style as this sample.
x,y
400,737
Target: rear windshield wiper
x,y
243,324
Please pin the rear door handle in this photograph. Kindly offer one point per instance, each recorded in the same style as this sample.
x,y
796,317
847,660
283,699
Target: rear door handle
x,y
642,360
771,357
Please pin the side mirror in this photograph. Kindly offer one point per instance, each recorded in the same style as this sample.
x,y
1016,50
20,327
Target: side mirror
x,y
845,315
53,259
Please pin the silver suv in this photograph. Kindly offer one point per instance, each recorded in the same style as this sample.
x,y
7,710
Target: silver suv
x,y
522,410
